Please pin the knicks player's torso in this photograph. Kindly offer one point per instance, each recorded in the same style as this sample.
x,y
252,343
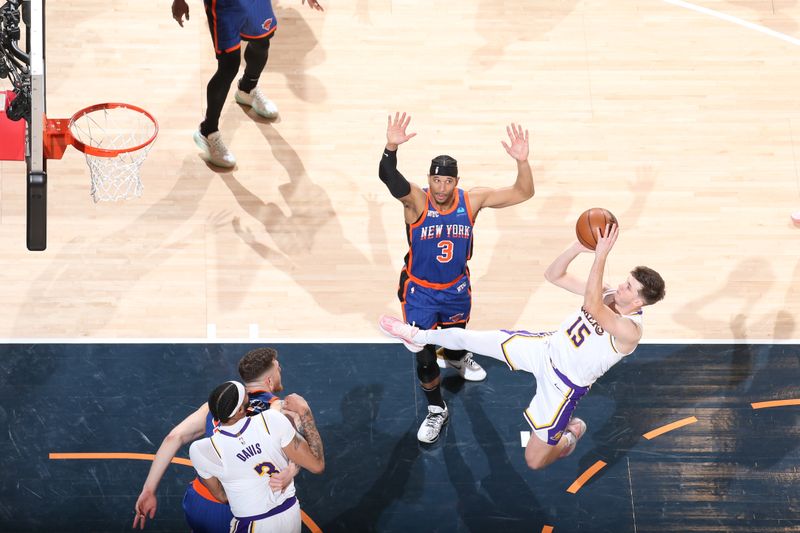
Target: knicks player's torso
x,y
582,349
251,452
440,242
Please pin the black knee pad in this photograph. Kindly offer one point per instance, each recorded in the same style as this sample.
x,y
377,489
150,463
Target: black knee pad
x,y
258,45
228,65
427,369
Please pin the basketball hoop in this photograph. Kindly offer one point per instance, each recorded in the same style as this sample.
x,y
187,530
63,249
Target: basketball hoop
x,y
115,138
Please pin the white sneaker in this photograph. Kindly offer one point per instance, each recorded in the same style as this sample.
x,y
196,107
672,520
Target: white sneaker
x,y
215,150
432,425
394,327
466,366
260,103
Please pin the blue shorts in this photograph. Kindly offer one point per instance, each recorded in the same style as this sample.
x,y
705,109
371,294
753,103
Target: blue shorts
x,y
232,21
204,515
428,308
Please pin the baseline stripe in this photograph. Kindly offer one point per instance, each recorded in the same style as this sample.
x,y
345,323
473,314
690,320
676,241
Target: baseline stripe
x,y
669,427
774,403
135,456
310,524
586,476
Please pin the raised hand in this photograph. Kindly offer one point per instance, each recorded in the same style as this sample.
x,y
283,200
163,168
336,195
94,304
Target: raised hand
x,y
313,4
518,142
396,131
606,239
180,9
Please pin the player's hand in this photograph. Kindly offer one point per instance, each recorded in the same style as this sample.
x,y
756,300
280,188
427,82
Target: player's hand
x,y
396,131
180,9
293,417
296,404
606,239
518,142
313,4
280,481
145,508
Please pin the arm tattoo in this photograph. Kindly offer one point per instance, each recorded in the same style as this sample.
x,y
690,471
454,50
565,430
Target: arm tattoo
x,y
309,431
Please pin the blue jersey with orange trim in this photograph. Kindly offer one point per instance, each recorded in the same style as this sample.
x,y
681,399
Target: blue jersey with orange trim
x,y
440,243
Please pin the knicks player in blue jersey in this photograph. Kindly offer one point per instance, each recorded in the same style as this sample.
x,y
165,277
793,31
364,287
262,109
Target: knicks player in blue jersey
x,y
231,22
261,373
434,283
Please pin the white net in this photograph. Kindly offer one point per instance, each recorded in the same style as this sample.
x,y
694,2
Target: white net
x,y
117,142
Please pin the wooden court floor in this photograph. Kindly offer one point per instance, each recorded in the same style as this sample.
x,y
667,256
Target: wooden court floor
x,y
682,118
683,123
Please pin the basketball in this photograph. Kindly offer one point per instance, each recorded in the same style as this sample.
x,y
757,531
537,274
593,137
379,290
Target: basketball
x,y
589,221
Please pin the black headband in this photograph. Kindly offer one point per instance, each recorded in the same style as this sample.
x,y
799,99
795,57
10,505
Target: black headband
x,y
444,168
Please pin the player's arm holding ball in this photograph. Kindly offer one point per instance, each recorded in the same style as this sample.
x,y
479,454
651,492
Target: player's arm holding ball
x,y
625,331
412,196
558,275
522,189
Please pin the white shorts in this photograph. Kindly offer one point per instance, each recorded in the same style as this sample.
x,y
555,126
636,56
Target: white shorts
x,y
287,521
556,396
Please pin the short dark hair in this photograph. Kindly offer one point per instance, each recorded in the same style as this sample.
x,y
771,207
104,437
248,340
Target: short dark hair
x,y
223,400
256,363
653,287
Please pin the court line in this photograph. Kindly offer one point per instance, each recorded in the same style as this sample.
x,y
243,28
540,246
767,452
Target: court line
x,y
774,403
310,524
586,476
136,456
669,427
338,340
736,20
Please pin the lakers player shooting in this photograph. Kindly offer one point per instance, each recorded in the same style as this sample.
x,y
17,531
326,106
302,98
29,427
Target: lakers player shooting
x,y
565,362
434,283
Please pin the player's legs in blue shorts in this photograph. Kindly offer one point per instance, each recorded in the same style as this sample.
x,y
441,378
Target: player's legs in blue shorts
x,y
204,515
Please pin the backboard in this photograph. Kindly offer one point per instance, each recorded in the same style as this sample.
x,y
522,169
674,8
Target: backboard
x,y
37,164
24,66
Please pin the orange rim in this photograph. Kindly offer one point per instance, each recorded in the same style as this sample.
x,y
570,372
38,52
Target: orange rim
x,y
108,152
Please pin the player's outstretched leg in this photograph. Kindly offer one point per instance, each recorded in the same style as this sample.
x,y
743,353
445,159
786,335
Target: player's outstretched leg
x,y
487,343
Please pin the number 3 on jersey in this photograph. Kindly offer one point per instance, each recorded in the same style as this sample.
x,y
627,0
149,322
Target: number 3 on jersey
x,y
579,336
265,469
447,251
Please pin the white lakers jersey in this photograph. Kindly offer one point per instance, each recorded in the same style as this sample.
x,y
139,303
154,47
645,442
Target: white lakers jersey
x,y
582,350
243,456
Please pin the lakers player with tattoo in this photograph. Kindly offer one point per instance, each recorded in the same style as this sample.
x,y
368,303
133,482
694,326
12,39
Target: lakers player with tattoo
x,y
237,461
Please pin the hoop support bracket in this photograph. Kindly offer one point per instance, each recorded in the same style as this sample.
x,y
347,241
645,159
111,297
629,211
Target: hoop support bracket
x,y
56,137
